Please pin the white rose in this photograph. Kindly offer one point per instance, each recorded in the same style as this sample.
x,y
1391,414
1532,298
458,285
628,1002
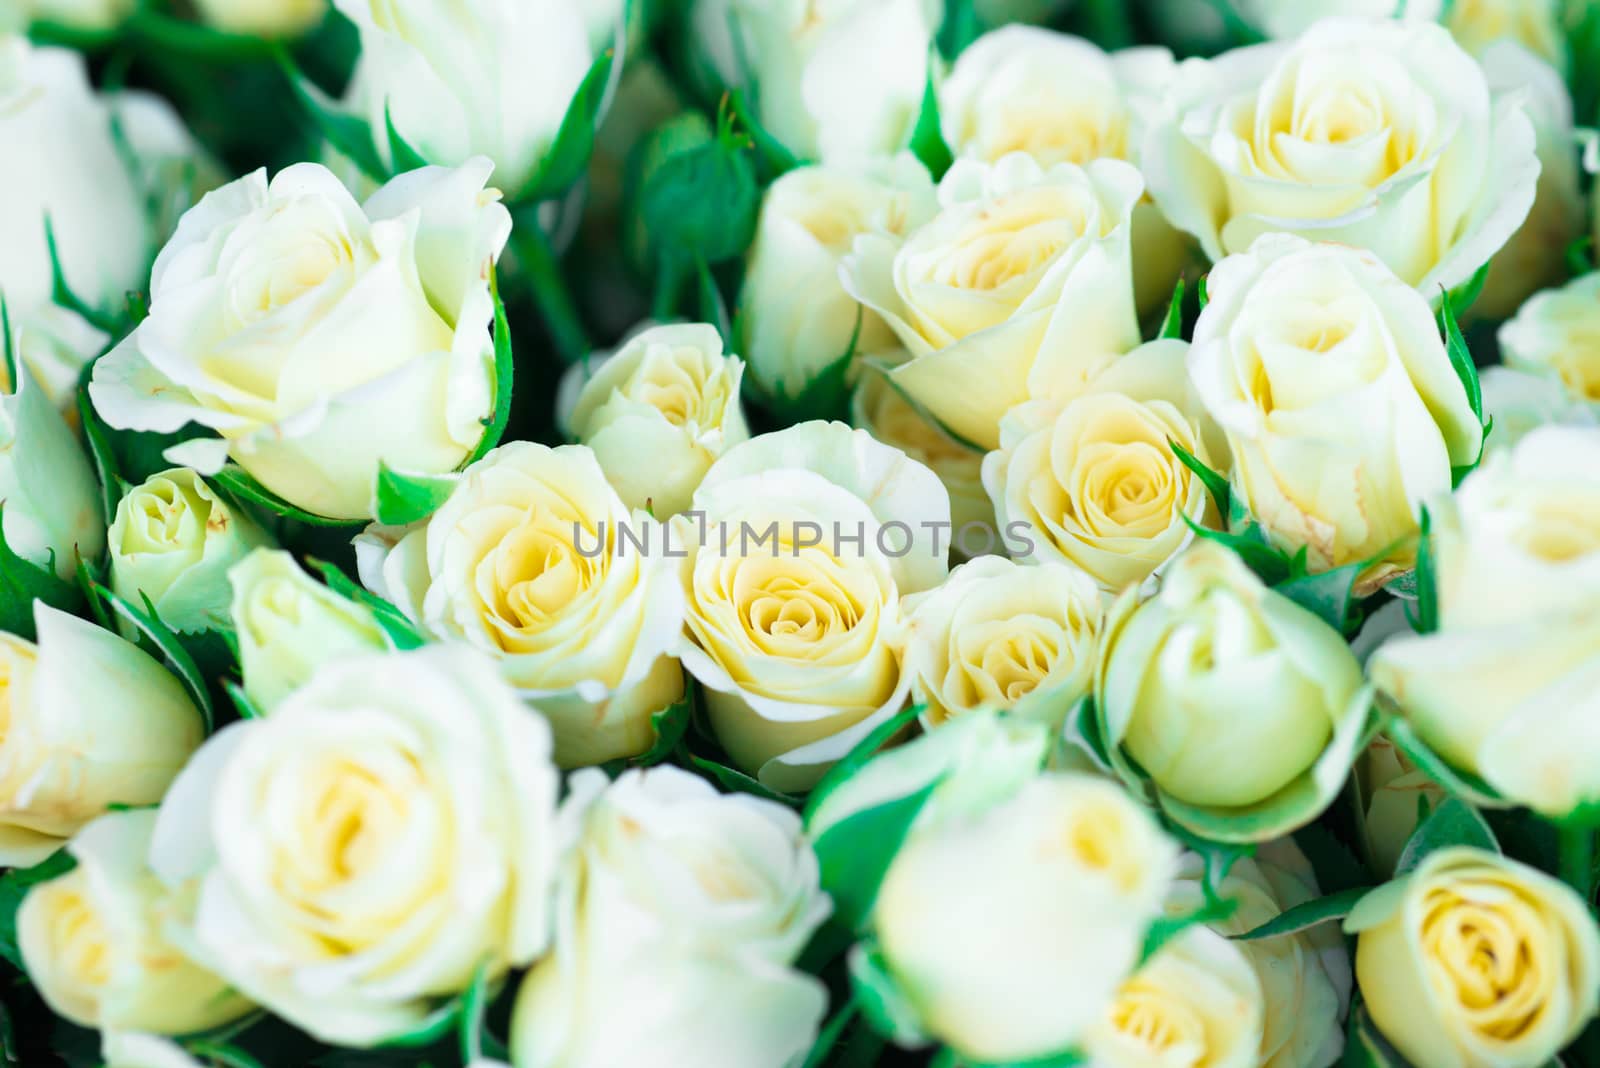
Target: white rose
x,y
91,722
94,944
94,195
1010,932
1020,287
537,562
1061,99
49,496
796,318
356,857
1509,684
1196,1001
1535,256
681,912
881,410
1305,977
135,1049
1373,133
470,80
842,80
1095,482
173,541
1520,402
658,413
1001,635
288,625
1555,335
803,542
1535,24
1328,376
1291,18
268,18
317,336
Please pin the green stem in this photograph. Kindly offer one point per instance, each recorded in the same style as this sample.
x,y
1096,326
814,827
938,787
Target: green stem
x,y
1577,860
669,287
1108,23
542,272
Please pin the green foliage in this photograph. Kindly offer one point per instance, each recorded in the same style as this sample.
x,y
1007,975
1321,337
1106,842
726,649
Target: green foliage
x,y
22,582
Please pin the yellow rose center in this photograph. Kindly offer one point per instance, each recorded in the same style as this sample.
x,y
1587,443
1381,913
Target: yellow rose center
x,y
1097,836
789,610
1053,133
1562,528
1011,238
1163,1028
164,516
688,388
77,932
538,572
1476,938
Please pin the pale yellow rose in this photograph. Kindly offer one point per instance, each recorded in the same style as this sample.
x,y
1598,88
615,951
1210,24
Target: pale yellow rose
x,y
1509,684
658,412
1557,334
1060,99
1535,24
1476,961
267,18
94,942
1376,133
535,560
801,544
1330,379
1021,286
997,634
1395,796
1095,482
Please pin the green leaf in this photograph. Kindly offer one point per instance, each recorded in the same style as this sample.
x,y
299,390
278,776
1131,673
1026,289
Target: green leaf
x,y
1461,356
1426,619
1172,325
1269,563
1308,914
402,499
736,781
14,886
1215,482
1330,595
855,853
827,396
401,632
147,621
1215,909
830,1034
22,582
927,139
239,483
859,754
1452,823
404,158
1463,296
671,723
884,1006
569,153
349,134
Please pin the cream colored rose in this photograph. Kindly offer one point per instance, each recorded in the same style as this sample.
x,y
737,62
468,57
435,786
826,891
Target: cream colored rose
x,y
50,497
1020,287
268,18
802,543
536,561
1227,695
1332,384
1556,334
659,412
288,625
997,634
93,940
1290,18
689,902
468,80
173,541
91,721
1060,99
1095,483
877,407
836,81
1535,256
1304,977
365,850
95,189
1395,795
796,318
1508,686
1379,134
317,336
1477,961
1535,24
1010,932
1197,1001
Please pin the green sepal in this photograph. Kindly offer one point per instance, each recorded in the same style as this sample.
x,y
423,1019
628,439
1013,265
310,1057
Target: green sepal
x,y
1215,482
1328,594
700,203
112,486
670,724
1307,914
1365,1046
1466,371
858,756
505,366
774,156
148,623
735,781
402,155
927,138
855,853
827,396
1465,295
830,1034
569,153
1452,823
222,1054
402,499
884,1006
1460,783
1426,618
61,292
401,632
22,582
8,347
241,484
1214,909
350,135
1172,325
242,702
713,308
